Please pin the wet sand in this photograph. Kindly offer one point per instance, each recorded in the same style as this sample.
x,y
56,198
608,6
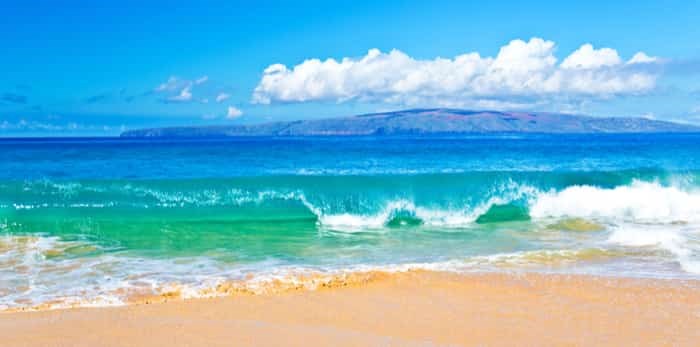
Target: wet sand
x,y
405,309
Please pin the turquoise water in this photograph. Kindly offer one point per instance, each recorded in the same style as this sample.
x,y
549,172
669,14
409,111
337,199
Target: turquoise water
x,y
93,221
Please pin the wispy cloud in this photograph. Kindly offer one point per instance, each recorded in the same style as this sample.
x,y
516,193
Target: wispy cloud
x,y
184,96
683,67
98,98
173,90
115,96
231,112
201,80
222,97
180,90
23,126
126,97
522,70
13,98
695,111
171,84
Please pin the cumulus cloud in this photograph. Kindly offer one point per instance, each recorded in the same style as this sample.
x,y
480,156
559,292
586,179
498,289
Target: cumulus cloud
x,y
523,72
587,57
222,97
233,113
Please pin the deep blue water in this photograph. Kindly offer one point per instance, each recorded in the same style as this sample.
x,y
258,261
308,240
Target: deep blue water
x,y
114,158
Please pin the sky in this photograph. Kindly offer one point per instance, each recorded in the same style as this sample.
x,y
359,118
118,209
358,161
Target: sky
x,y
73,68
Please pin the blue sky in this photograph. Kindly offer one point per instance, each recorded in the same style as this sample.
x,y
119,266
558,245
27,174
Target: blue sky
x,y
72,68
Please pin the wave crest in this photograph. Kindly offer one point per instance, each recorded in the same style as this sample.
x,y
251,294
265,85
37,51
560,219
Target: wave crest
x,y
399,211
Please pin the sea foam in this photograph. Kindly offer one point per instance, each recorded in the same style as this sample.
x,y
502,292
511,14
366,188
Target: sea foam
x,y
640,201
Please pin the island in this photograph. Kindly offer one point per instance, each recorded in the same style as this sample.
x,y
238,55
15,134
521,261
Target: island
x,y
428,121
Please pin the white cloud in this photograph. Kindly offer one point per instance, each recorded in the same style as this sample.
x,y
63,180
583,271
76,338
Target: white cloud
x,y
233,112
222,97
521,72
23,125
184,96
648,115
171,84
642,58
182,87
201,80
587,57
695,111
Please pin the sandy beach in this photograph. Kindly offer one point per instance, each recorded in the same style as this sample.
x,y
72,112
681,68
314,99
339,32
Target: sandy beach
x,y
413,308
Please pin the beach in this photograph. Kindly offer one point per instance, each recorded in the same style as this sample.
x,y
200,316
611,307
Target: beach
x,y
419,308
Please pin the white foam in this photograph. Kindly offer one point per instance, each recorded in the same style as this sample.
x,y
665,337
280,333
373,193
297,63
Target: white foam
x,y
641,214
637,202
446,217
637,236
106,279
673,239
392,209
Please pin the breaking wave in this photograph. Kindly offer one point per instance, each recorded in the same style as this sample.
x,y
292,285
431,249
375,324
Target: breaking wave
x,y
638,202
646,202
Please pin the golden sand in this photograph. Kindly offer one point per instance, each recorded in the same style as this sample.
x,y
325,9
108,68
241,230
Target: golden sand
x,y
403,309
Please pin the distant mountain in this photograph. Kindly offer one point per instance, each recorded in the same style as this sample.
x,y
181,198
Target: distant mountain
x,y
427,121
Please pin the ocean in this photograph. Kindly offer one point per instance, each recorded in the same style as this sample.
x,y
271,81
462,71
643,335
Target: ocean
x,y
99,221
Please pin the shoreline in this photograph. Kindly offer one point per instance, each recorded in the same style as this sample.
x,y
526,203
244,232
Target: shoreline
x,y
409,308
